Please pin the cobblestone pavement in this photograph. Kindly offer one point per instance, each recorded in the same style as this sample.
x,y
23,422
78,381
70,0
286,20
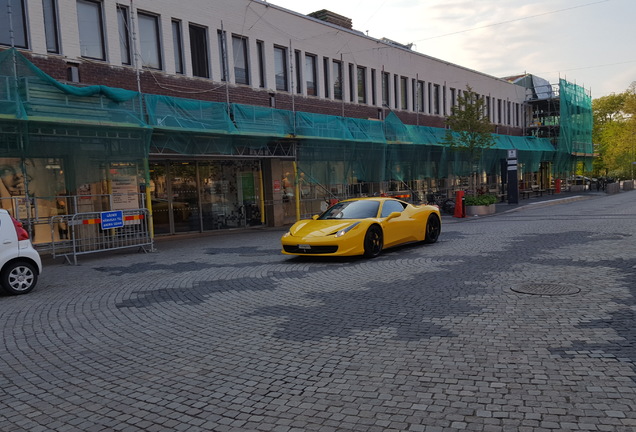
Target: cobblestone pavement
x,y
523,321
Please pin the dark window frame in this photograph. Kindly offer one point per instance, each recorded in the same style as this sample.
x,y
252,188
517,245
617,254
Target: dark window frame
x,y
156,46
199,50
51,26
99,28
241,74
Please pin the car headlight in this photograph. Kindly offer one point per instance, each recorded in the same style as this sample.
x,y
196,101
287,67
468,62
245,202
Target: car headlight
x,y
346,230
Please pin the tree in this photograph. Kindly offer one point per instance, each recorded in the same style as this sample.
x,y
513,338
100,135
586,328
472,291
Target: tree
x,y
615,133
469,129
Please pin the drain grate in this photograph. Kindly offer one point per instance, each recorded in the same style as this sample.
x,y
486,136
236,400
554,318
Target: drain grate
x,y
549,289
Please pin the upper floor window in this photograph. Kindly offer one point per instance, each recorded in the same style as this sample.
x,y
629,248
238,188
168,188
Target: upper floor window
x,y
299,74
49,8
91,29
362,85
16,20
336,75
420,96
404,95
222,41
260,48
199,51
280,68
374,97
239,52
124,34
177,45
310,75
436,99
325,67
386,86
149,42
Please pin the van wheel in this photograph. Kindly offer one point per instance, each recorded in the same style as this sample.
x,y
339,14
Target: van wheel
x,y
18,277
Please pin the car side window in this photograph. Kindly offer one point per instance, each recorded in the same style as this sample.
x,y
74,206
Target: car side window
x,y
390,207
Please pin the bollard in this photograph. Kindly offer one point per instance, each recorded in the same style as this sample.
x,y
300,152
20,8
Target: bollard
x,y
459,205
557,186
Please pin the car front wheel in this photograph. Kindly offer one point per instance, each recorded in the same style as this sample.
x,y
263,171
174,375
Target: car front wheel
x,y
373,242
19,277
433,228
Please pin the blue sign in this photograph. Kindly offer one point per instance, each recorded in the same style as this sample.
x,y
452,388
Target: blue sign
x,y
112,219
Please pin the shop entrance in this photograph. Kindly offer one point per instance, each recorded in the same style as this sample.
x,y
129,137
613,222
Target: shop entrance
x,y
194,196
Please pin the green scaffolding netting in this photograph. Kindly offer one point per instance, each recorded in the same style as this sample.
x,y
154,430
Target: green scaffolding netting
x,y
100,124
575,138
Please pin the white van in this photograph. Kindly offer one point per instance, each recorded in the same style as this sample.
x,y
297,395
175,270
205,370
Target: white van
x,y
20,263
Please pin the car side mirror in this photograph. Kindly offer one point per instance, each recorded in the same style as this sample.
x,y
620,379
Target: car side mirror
x,y
393,215
314,217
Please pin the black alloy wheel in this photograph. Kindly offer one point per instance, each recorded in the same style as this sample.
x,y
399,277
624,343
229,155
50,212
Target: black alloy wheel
x,y
373,242
433,228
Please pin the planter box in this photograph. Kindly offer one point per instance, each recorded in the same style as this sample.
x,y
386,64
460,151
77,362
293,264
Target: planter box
x,y
480,210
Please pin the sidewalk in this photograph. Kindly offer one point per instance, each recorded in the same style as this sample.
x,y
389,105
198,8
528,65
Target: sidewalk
x,y
545,200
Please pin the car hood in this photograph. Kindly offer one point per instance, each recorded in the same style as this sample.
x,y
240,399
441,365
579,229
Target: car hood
x,y
319,228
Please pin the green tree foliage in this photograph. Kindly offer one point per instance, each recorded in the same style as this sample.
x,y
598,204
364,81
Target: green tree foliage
x,y
470,124
615,133
469,129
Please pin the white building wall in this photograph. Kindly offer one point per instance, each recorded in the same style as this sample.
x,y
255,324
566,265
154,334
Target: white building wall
x,y
258,20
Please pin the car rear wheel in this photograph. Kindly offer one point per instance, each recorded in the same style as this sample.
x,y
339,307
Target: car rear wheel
x,y
18,277
433,228
373,242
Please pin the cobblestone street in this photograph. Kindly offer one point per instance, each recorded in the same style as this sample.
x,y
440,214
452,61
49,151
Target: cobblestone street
x,y
522,321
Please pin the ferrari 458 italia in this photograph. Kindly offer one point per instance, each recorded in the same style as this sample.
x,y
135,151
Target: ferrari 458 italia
x,y
363,226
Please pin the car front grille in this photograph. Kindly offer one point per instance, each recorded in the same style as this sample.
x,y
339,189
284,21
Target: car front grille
x,y
314,249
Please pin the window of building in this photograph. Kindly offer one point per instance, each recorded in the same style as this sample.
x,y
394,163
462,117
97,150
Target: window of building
x,y
177,45
436,99
420,96
352,86
149,42
18,20
499,111
49,8
310,75
91,30
453,96
488,108
337,79
362,84
404,96
241,65
374,97
509,116
396,91
299,72
199,51
221,38
325,67
280,68
260,50
386,83
444,100
123,22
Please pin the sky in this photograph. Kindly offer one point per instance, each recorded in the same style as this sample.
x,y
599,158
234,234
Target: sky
x,y
591,43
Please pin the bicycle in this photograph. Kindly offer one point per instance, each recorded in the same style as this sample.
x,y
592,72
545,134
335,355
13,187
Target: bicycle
x,y
447,205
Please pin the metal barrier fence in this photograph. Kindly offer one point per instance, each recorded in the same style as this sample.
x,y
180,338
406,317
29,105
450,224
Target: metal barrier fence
x,y
84,233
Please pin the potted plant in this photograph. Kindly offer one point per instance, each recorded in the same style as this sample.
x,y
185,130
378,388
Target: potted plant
x,y
479,205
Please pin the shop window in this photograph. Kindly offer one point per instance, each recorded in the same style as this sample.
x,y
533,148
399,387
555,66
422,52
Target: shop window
x,y
91,29
199,51
241,66
51,19
177,45
149,40
124,34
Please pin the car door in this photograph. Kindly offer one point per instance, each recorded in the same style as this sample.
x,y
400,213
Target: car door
x,y
396,230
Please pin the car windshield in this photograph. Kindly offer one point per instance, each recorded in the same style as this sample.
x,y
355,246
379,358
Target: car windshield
x,y
352,210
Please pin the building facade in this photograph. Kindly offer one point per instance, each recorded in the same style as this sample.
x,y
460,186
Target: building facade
x,y
228,113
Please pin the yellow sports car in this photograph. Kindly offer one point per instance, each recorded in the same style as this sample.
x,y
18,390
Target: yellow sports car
x,y
363,226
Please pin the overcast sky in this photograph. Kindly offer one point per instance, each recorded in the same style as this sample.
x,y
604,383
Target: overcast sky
x,y
588,42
